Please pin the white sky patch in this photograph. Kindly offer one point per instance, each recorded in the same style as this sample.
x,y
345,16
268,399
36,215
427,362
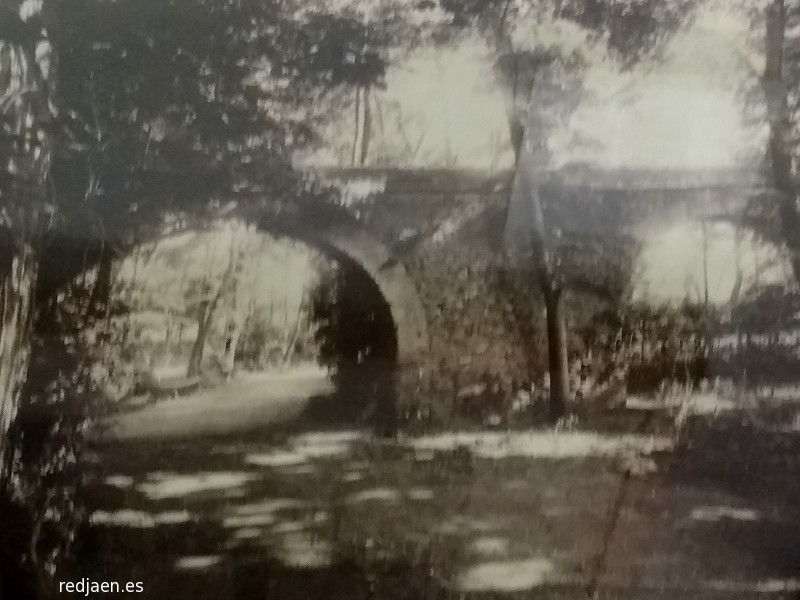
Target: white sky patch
x,y
453,93
278,270
685,111
682,110
670,266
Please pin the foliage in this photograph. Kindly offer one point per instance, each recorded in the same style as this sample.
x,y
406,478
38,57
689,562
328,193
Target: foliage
x,y
42,468
354,324
167,106
648,345
357,338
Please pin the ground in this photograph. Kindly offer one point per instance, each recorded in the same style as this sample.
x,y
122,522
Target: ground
x,y
286,512
248,402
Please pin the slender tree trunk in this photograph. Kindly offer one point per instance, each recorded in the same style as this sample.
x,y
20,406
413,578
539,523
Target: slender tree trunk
x,y
292,342
206,315
557,352
233,332
704,233
101,291
780,126
737,284
526,223
524,176
363,125
198,348
204,318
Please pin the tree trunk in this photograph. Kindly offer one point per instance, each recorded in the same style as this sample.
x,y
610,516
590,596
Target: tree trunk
x,y
554,307
198,348
292,341
205,316
526,230
363,122
780,126
737,284
17,282
101,291
557,352
229,356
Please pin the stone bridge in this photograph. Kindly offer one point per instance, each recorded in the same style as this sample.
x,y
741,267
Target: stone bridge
x,y
432,242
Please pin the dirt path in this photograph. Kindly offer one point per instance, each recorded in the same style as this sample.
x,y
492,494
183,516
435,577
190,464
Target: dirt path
x,y
240,405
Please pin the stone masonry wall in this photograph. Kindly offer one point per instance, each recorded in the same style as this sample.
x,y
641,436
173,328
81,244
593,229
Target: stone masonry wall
x,y
481,324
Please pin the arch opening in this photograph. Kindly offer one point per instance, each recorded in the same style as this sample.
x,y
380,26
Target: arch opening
x,y
359,320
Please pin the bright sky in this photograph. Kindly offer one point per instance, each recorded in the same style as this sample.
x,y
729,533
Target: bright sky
x,y
453,97
277,270
685,111
670,267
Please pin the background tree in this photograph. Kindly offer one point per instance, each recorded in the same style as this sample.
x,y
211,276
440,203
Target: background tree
x,y
162,108
631,31
781,83
162,112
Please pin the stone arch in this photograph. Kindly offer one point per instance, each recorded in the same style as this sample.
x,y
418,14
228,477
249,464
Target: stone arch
x,y
332,230
347,240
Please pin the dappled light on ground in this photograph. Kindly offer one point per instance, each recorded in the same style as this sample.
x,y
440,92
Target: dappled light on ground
x,y
472,513
137,518
375,495
506,576
191,563
716,513
158,486
302,550
544,444
489,546
766,586
304,447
